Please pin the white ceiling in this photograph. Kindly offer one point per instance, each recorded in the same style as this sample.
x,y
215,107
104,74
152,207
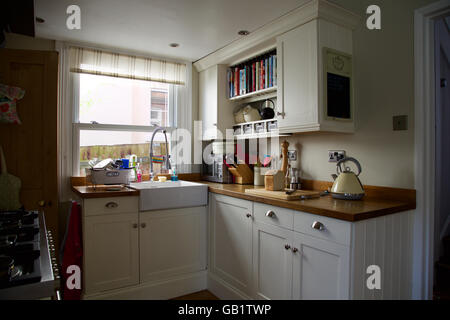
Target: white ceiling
x,y
148,26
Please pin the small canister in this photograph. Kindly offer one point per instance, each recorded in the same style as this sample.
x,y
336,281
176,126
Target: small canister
x,y
258,178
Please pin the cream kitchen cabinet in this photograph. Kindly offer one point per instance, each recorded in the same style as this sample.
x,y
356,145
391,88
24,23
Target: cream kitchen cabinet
x,y
294,265
303,102
110,238
230,245
321,269
215,111
173,242
298,255
272,262
129,254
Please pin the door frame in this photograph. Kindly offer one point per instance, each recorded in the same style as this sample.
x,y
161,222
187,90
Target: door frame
x,y
424,56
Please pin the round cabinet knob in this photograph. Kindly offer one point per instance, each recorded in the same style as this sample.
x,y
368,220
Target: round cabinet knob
x,y
41,203
248,215
135,225
294,250
287,247
143,225
270,214
318,226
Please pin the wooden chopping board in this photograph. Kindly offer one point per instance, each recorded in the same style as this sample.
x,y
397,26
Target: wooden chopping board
x,y
282,194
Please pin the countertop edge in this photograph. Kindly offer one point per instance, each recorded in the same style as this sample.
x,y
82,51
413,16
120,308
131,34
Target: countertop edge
x,y
104,194
400,207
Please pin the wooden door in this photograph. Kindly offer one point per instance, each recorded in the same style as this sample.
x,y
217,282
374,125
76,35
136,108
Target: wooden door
x,y
111,252
321,269
231,241
31,148
272,262
172,242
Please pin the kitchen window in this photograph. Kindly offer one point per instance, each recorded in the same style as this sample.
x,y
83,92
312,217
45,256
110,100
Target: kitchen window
x,y
117,106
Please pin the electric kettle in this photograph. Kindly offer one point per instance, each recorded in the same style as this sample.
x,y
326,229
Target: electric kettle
x,y
346,184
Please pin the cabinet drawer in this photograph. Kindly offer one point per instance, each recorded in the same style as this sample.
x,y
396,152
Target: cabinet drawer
x,y
325,228
274,215
100,206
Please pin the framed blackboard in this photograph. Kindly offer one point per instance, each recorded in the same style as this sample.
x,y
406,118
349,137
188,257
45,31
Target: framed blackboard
x,y
338,85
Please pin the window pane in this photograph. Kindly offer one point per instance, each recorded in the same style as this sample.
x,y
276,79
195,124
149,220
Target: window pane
x,y
99,145
109,100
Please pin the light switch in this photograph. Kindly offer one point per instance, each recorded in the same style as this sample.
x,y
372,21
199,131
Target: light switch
x,y
400,123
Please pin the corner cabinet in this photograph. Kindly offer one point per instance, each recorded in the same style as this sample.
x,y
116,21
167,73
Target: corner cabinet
x,y
315,78
259,251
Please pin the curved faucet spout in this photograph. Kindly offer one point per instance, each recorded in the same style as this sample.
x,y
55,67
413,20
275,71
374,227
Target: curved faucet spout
x,y
151,150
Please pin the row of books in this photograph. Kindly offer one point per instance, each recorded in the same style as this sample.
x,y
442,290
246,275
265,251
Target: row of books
x,y
255,75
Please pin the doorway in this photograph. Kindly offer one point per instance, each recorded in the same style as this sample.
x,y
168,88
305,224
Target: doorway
x,y
442,176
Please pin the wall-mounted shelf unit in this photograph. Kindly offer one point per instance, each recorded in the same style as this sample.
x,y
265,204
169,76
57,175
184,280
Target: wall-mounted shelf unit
x,y
253,77
257,95
257,129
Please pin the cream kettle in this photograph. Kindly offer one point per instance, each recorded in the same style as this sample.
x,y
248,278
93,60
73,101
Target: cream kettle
x,y
346,183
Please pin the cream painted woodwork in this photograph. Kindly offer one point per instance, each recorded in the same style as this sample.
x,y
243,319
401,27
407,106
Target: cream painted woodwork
x,y
231,241
301,83
290,259
215,111
129,254
172,242
111,255
272,262
321,269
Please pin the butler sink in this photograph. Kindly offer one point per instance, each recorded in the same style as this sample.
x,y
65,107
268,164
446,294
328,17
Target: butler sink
x,y
156,195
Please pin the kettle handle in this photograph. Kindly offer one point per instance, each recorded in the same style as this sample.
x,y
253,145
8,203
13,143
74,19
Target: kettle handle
x,y
339,169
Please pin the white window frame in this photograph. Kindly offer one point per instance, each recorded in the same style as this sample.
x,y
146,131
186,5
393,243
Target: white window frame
x,y
77,126
68,163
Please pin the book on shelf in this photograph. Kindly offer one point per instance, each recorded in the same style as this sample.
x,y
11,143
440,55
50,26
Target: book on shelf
x,y
256,74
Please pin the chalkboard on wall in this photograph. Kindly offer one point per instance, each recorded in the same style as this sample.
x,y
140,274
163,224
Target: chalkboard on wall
x,y
338,85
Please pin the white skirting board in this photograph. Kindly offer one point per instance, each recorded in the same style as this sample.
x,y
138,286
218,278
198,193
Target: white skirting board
x,y
224,291
161,290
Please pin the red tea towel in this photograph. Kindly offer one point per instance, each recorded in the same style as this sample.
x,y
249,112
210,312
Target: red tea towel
x,y
72,255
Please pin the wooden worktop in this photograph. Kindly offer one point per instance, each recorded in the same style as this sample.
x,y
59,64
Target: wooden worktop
x,y
369,207
102,192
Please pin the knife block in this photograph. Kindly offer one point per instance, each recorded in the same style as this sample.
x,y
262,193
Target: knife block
x,y
242,174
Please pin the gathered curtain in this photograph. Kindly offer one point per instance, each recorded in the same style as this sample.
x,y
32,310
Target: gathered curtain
x,y
99,62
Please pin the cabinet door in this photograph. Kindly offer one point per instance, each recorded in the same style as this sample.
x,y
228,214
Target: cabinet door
x,y
272,262
111,258
208,102
172,242
298,78
321,269
231,241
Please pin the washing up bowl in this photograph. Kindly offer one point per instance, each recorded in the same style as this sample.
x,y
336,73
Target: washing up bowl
x,y
156,195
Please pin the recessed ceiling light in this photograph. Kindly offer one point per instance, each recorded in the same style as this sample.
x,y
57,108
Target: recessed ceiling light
x,y
39,20
174,45
243,33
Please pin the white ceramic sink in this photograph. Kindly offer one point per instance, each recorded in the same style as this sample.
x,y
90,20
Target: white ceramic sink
x,y
156,195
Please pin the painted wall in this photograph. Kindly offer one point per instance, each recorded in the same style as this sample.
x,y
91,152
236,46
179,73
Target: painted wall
x,y
384,80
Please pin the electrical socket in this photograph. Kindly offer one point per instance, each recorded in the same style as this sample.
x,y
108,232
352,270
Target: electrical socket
x,y
292,155
335,155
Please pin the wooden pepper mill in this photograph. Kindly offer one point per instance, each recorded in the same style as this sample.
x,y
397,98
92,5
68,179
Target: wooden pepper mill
x,y
285,162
